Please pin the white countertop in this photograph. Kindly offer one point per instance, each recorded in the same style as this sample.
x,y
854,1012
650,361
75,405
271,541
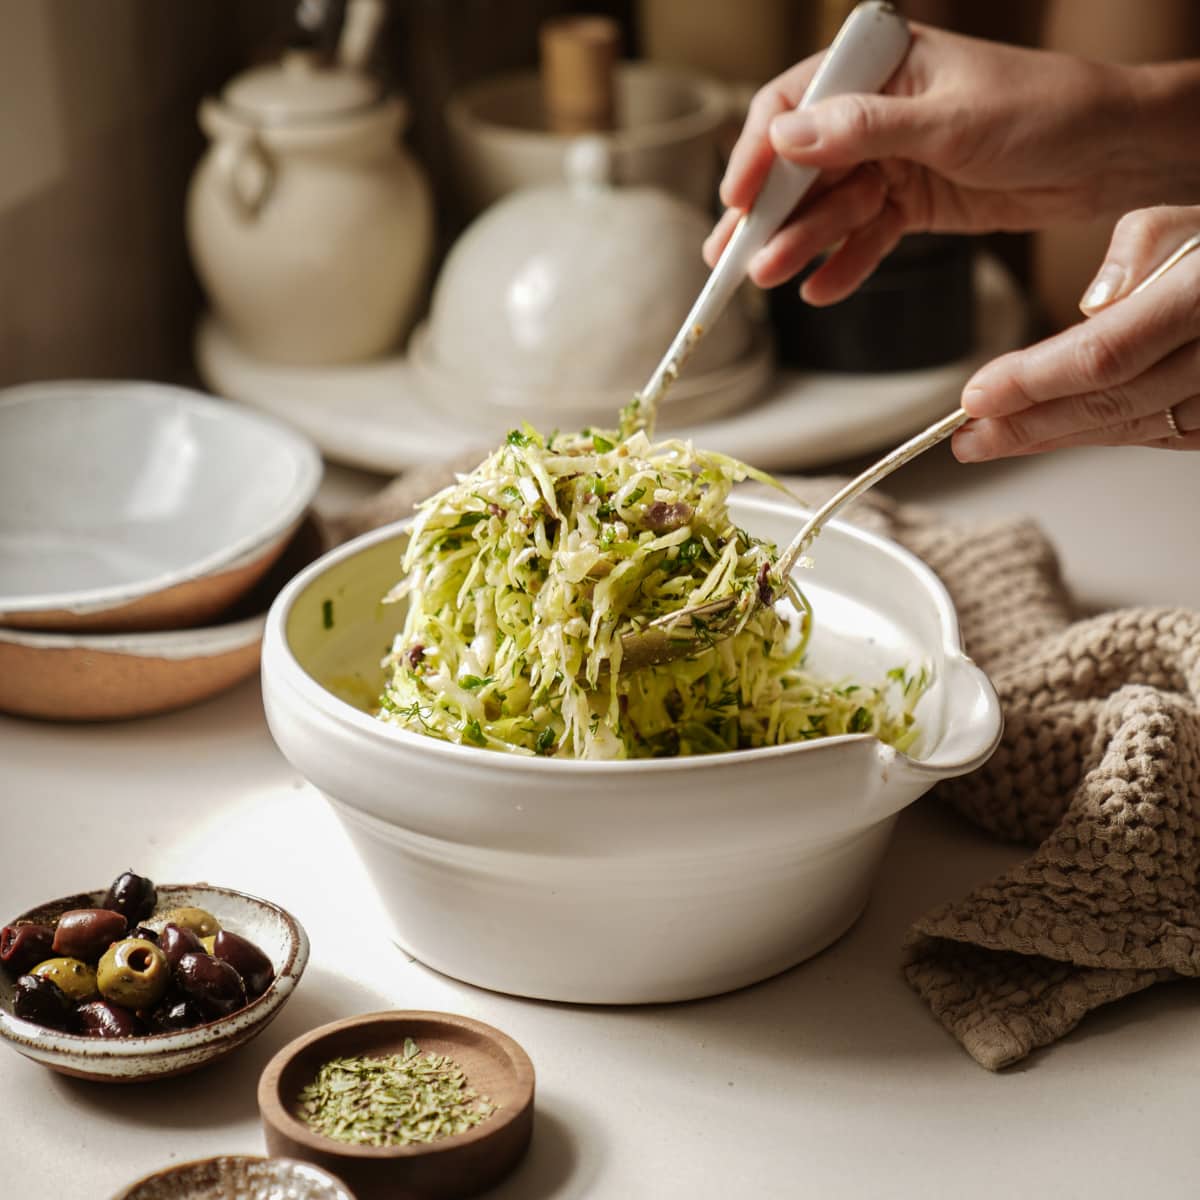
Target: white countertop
x,y
831,1080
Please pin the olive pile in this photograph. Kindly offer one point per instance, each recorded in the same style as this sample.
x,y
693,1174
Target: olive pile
x,y
100,972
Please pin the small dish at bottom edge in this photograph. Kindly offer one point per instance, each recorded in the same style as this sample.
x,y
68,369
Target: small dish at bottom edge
x,y
460,1165
237,1177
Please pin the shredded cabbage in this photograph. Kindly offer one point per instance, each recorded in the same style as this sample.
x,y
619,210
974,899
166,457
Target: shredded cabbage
x,y
522,576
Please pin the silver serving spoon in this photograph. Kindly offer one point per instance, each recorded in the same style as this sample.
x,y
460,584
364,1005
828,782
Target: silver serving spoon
x,y
688,630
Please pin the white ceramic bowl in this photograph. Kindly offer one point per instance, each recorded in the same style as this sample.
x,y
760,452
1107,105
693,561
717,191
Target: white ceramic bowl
x,y
623,882
667,124
140,505
156,1056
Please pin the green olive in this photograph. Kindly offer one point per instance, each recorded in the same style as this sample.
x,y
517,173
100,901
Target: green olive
x,y
133,972
203,924
207,943
75,978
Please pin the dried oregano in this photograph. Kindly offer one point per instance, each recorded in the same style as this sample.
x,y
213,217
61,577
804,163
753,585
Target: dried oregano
x,y
394,1100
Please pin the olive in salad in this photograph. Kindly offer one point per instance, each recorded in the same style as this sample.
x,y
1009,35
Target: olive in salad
x,y
124,970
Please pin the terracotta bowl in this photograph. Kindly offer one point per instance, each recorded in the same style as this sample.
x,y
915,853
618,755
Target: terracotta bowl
x,y
110,676
237,1177
139,505
155,1056
460,1165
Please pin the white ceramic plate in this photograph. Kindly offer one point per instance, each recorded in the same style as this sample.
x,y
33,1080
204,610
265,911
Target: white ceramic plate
x,y
114,492
372,415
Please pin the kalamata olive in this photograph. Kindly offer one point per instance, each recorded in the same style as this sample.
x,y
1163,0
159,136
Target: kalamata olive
x,y
87,932
42,1001
200,921
211,983
133,896
246,959
134,973
23,946
175,941
100,1018
75,978
173,1014
145,933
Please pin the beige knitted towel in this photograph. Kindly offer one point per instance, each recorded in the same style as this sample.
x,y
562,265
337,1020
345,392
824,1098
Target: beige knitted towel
x,y
1099,767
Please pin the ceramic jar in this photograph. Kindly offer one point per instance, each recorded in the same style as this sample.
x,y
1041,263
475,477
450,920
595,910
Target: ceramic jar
x,y
310,226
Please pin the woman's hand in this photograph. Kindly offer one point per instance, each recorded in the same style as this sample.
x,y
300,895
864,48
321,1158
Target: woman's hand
x,y
1129,375
971,136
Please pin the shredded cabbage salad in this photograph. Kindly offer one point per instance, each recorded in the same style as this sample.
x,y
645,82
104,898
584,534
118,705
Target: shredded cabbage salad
x,y
521,577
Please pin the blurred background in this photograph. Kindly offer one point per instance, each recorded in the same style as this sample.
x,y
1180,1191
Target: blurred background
x,y
99,135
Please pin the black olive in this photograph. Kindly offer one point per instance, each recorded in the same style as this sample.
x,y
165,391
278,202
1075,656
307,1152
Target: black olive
x,y
24,946
174,1014
211,984
133,896
86,933
175,941
102,1018
42,1001
246,959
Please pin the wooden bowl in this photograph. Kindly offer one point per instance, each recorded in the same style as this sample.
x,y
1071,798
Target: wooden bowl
x,y
461,1165
161,1055
237,1177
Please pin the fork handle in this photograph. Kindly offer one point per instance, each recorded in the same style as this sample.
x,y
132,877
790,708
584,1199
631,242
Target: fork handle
x,y
903,453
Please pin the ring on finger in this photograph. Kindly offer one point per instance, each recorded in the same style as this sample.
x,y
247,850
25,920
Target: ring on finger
x,y
1172,423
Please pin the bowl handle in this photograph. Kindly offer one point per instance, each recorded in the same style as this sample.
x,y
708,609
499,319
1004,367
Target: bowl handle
x,y
975,721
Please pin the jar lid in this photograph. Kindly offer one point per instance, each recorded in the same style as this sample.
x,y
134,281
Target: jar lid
x,y
298,88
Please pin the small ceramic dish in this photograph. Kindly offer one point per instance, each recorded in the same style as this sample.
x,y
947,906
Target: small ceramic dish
x,y
158,1055
491,407
112,676
460,1165
140,505
237,1177
630,881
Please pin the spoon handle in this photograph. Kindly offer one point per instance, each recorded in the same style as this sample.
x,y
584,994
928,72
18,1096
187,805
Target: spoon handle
x,y
868,48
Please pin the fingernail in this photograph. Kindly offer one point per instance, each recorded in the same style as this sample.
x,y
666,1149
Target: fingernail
x,y
756,264
968,446
1103,288
795,129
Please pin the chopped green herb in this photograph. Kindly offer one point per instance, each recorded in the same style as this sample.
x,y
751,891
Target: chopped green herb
x,y
327,613
395,1100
